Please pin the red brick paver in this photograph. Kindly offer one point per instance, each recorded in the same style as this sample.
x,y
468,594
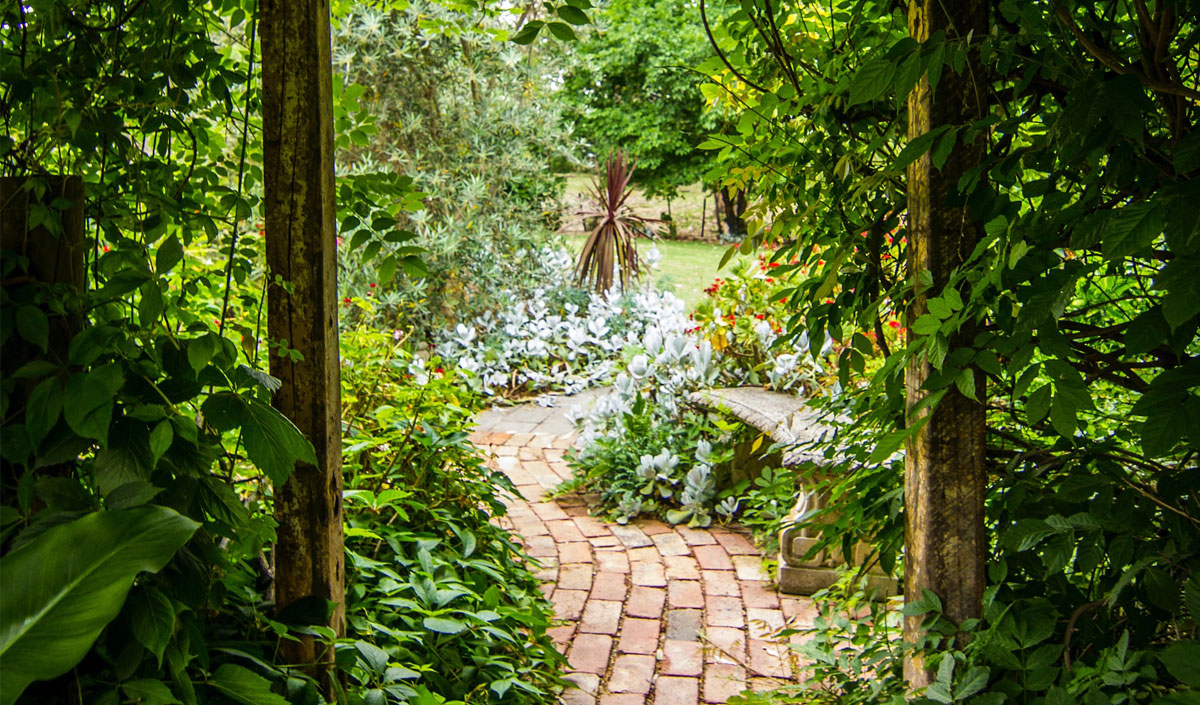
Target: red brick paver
x,y
649,613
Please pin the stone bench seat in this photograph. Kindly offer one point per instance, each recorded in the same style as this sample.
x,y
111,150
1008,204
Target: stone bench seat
x,y
788,421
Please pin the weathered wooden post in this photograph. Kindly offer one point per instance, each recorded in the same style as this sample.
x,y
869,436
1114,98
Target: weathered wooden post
x,y
944,473
302,301
45,227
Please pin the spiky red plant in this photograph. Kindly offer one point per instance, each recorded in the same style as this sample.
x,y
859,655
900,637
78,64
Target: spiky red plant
x,y
612,240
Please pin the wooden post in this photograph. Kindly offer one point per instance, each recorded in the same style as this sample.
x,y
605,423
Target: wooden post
x,y
944,473
54,252
302,313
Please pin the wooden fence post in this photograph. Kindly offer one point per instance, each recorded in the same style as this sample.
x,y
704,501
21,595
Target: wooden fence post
x,y
300,214
944,472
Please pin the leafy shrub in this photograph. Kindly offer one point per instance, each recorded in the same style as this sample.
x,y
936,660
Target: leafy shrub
x,y
477,154
558,336
438,596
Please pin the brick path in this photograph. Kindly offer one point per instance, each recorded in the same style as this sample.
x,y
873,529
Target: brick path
x,y
650,613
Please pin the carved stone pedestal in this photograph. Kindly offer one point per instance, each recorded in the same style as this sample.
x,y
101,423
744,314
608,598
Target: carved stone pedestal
x,y
801,576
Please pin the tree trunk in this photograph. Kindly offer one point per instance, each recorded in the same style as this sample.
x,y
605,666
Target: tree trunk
x,y
944,473
732,207
300,214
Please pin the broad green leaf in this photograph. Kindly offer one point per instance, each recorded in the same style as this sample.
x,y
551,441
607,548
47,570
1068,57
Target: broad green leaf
x,y
126,458
160,440
62,588
43,409
872,80
443,625
573,15
562,31
528,33
1132,228
245,686
152,618
88,402
1038,404
273,443
170,253
33,326
1182,660
1062,415
147,691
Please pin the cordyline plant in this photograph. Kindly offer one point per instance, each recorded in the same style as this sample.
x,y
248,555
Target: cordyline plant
x,y
611,241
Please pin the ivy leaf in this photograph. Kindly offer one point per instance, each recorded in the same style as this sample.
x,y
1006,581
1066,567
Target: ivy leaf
x,y
871,81
170,253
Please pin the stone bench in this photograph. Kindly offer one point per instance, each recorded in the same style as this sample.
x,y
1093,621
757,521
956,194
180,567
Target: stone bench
x,y
788,421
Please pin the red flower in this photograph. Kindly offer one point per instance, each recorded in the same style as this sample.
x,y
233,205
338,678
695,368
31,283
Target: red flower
x,y
372,285
783,300
438,370
894,324
346,300
759,316
770,280
774,264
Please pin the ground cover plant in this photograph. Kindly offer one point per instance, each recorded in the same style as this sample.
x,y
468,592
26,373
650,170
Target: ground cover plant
x,y
646,449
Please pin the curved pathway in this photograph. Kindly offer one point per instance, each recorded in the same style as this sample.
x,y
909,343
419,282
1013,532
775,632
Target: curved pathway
x,y
651,613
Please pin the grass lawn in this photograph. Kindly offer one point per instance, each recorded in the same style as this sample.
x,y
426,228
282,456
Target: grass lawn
x,y
687,267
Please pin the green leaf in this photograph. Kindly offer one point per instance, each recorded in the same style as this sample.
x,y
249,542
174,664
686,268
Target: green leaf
x,y
1131,229
33,326
273,443
1182,660
528,33
443,625
1187,153
160,440
88,402
926,325
43,409
62,588
871,81
152,617
126,458
562,31
245,686
965,381
200,351
573,15
1062,415
147,691
1038,404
